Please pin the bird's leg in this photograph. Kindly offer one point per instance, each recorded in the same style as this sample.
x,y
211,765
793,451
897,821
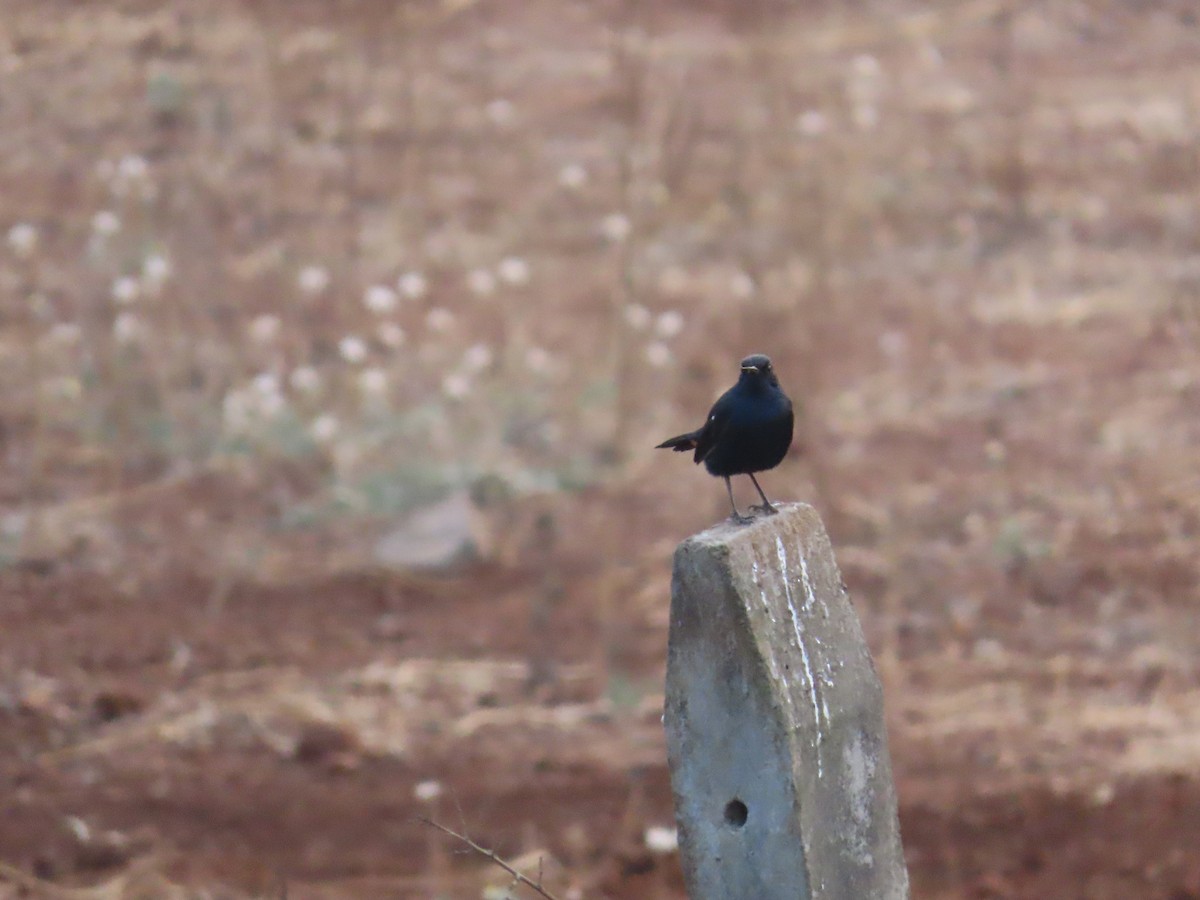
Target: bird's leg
x,y
737,516
766,504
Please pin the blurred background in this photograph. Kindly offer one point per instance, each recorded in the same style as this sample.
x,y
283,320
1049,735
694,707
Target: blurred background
x,y
334,338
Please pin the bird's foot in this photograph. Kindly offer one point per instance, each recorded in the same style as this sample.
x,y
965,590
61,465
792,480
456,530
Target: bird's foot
x,y
765,508
738,519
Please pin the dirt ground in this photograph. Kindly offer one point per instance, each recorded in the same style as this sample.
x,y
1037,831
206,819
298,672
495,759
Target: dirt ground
x,y
968,238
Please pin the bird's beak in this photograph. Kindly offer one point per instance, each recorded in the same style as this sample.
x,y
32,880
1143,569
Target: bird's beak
x,y
749,368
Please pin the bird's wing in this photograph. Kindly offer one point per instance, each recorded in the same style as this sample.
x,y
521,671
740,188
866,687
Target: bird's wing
x,y
714,426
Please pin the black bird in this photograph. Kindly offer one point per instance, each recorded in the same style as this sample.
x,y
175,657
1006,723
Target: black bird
x,y
749,429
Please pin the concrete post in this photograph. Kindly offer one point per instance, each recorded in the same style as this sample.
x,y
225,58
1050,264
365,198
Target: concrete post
x,y
774,719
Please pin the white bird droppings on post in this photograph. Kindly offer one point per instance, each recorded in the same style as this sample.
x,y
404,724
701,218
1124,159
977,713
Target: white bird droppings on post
x,y
813,693
809,595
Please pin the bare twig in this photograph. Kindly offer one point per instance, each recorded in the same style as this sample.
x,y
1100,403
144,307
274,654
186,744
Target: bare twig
x,y
518,878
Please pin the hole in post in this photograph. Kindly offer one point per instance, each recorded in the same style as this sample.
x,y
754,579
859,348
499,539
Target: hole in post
x,y
736,812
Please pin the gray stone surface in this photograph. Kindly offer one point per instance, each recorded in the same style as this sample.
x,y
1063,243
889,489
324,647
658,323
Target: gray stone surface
x,y
774,720
442,538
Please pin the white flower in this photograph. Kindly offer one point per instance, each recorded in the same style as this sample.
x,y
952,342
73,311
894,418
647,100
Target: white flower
x,y
572,176
662,839
132,167
380,299
812,123
615,227
866,66
245,408
456,386
513,270
267,397
538,361
500,111
893,344
156,269
313,279
412,285
637,316
125,290
669,324
372,381
127,328
23,238
477,358
305,379
866,116
265,328
1160,118
658,354
439,319
352,348
324,428
863,90
481,282
131,171
390,335
66,333
741,285
106,223
425,791
265,384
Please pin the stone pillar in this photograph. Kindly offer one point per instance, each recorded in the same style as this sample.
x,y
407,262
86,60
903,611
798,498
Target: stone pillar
x,y
774,719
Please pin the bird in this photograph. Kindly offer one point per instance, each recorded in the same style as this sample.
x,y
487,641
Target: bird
x,y
748,430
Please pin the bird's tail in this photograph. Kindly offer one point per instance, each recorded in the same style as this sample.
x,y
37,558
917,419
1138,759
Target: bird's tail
x,y
681,443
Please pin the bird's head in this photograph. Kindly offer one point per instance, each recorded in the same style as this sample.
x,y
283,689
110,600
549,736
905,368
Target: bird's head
x,y
758,368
